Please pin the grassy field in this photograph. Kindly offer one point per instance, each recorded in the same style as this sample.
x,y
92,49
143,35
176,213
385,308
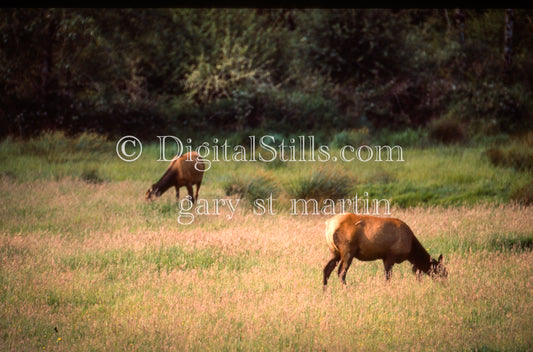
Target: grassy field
x,y
86,264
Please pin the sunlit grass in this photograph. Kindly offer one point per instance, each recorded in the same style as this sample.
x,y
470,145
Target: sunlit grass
x,y
92,266
131,278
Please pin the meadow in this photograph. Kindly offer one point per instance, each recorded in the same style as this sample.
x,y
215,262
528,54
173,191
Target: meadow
x,y
87,265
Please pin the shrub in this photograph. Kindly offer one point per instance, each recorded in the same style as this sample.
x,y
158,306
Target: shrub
x,y
524,195
518,155
258,186
91,175
322,184
446,130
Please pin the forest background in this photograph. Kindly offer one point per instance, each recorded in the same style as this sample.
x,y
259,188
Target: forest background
x,y
427,75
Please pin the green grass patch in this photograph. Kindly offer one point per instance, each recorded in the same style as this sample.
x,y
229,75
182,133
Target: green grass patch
x,y
444,175
166,259
518,243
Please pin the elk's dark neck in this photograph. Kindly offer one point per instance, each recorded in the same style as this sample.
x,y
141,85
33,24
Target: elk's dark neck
x,y
165,182
419,257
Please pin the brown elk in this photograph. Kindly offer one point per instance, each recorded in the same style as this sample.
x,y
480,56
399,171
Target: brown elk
x,y
186,170
370,238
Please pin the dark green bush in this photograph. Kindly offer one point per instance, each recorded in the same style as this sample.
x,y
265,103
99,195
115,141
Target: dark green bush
x,y
515,156
523,195
446,131
258,186
91,175
322,184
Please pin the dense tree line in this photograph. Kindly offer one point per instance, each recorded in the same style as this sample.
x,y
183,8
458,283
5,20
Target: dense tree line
x,y
149,71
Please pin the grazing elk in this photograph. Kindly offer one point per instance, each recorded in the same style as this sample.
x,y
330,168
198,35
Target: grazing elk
x,y
186,170
369,238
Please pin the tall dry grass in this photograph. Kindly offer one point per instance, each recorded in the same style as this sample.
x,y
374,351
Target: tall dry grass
x,y
92,267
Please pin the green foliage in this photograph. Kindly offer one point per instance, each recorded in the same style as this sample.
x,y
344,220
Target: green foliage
x,y
354,137
405,138
396,104
269,109
354,44
144,71
236,58
224,79
301,111
490,108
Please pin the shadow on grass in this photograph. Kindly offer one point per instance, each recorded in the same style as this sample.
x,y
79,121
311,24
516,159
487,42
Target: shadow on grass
x,y
521,244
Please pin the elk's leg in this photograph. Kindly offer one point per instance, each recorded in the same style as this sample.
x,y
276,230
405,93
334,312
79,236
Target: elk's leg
x,y
329,267
388,263
345,264
417,272
189,189
177,193
339,269
197,189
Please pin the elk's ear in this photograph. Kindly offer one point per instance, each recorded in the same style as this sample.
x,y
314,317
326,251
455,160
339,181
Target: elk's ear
x,y
440,258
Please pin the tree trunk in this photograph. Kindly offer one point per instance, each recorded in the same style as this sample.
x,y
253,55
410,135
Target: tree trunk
x,y
448,24
460,23
48,56
507,49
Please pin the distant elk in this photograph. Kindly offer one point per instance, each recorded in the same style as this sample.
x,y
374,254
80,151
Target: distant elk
x,y
370,238
186,170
